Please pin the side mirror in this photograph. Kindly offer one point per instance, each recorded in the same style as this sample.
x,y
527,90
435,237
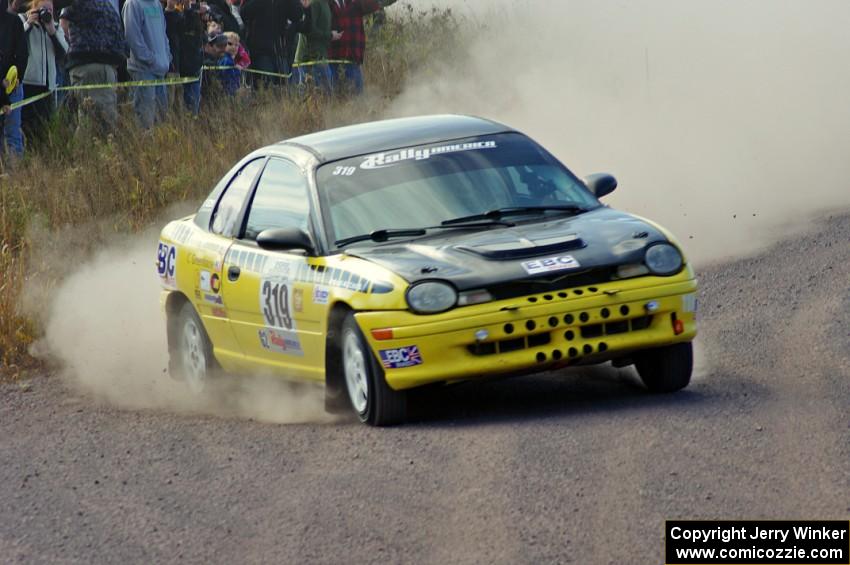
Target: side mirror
x,y
601,184
286,239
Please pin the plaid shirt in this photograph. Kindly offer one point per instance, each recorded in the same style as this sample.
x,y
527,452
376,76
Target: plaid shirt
x,y
347,17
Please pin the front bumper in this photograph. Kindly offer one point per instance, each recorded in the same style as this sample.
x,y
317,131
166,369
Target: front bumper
x,y
582,325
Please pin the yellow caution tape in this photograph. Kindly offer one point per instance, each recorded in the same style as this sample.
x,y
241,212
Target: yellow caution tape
x,y
13,73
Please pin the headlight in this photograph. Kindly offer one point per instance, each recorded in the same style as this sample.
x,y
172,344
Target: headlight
x,y
663,259
430,297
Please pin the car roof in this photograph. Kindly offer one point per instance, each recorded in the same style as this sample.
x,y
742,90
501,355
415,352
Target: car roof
x,y
374,137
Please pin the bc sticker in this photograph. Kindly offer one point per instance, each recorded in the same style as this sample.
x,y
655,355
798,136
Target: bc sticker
x,y
166,264
401,357
550,264
280,341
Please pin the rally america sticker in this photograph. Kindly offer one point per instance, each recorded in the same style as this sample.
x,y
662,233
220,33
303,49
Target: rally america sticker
x,y
401,357
559,263
382,160
280,341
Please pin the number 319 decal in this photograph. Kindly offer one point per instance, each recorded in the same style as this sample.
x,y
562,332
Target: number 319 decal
x,y
274,299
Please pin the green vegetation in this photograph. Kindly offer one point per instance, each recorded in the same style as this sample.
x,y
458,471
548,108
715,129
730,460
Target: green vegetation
x,y
122,184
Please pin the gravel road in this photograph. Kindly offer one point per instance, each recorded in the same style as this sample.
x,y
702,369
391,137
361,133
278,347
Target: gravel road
x,y
570,467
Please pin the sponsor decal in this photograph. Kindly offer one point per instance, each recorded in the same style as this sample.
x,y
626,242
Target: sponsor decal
x,y
559,263
205,281
219,312
401,357
321,294
215,283
200,261
166,265
298,300
213,299
280,341
382,160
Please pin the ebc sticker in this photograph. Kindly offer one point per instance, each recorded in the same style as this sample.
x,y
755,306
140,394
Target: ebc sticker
x,y
383,160
166,265
401,357
280,341
549,264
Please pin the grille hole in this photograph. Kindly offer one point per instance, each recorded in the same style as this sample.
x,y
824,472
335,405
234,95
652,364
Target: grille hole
x,y
532,299
511,345
509,328
572,352
541,357
583,316
603,347
553,321
587,349
605,312
568,319
547,297
569,335
539,339
592,330
556,355
530,325
624,310
578,292
562,295
592,289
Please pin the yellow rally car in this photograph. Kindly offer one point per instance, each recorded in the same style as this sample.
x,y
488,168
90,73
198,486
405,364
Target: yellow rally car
x,y
381,257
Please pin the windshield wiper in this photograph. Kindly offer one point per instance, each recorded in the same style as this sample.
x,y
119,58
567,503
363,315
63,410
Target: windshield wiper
x,y
385,234
515,211
381,235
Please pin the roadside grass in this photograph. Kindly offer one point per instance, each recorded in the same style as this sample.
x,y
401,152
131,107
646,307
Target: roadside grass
x,y
97,188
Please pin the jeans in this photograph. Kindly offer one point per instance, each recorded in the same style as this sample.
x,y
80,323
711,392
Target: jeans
x,y
12,134
150,102
192,97
321,76
347,76
268,63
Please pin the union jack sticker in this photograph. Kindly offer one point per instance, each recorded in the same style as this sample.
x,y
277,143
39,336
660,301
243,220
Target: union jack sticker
x,y
401,357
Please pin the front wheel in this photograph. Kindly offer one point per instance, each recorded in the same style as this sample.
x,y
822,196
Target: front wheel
x,y
191,357
371,397
666,369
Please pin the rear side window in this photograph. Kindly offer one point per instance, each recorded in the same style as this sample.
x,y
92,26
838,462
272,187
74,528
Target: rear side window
x,y
226,216
281,200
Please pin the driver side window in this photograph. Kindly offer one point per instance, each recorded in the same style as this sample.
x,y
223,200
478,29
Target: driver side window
x,y
226,217
280,201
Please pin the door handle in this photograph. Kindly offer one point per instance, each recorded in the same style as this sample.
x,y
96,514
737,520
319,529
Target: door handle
x,y
233,273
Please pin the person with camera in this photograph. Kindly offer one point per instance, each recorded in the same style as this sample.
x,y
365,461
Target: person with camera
x,y
47,47
13,53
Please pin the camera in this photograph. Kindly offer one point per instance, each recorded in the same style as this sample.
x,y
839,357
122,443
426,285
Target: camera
x,y
45,16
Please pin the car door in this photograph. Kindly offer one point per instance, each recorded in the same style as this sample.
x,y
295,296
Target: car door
x,y
268,291
216,225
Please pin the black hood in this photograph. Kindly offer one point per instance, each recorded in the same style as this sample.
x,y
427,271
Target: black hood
x,y
598,241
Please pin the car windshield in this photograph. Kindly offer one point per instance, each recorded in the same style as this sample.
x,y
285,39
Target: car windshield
x,y
434,184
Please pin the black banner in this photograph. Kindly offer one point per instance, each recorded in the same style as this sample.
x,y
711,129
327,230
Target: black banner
x,y
751,542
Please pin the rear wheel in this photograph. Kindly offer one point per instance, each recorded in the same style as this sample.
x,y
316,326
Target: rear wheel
x,y
191,358
666,369
371,397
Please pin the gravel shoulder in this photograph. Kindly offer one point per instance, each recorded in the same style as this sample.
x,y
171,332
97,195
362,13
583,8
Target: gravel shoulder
x,y
573,467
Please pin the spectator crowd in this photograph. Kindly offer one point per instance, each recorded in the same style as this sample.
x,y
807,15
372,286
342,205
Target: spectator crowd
x,y
211,49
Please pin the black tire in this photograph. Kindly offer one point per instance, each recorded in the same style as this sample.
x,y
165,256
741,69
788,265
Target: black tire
x,y
372,399
666,369
190,352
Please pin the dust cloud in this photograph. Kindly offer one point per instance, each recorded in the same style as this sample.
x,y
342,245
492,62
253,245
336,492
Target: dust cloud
x,y
727,122
105,331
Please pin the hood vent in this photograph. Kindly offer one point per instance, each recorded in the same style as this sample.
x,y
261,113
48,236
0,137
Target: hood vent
x,y
522,248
